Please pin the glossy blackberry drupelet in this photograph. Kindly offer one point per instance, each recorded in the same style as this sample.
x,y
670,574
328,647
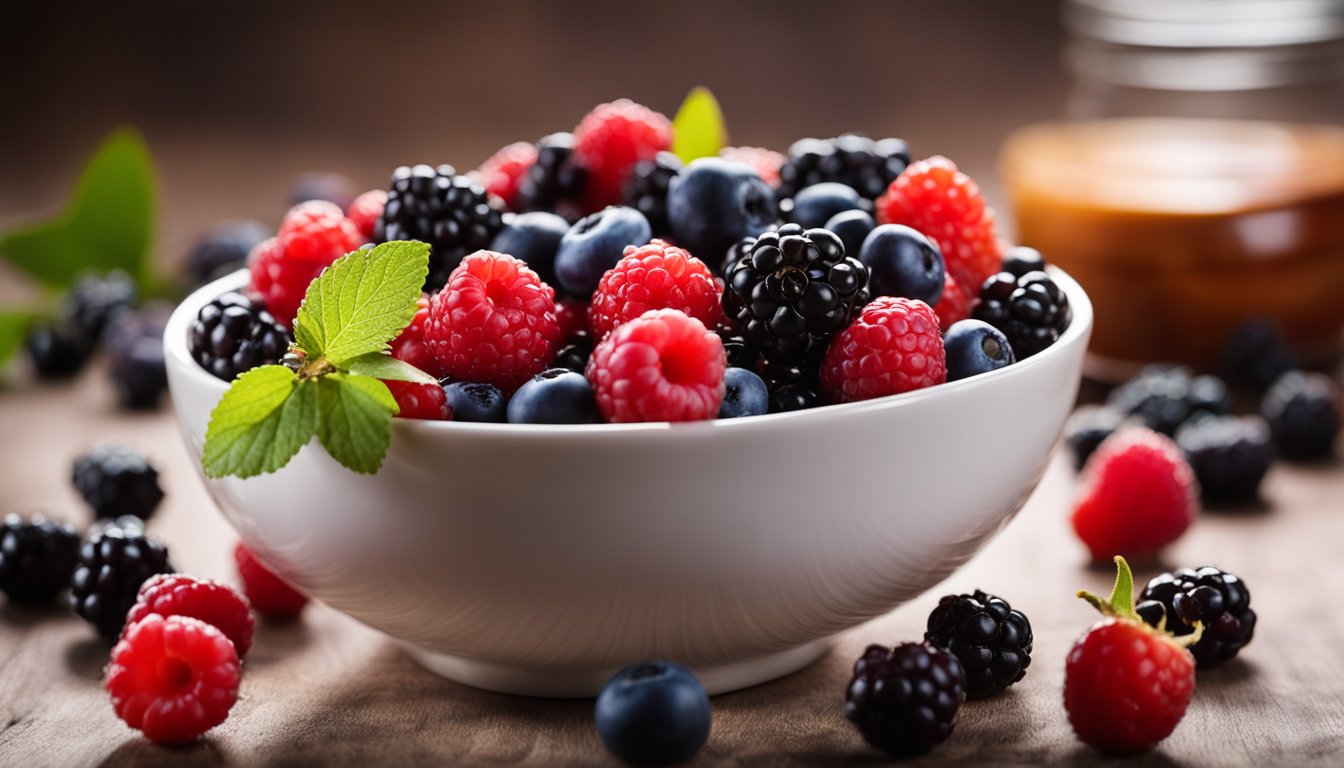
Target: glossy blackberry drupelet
x,y
223,249
1019,260
735,253
1087,428
437,206
135,362
1255,354
653,713
1030,310
575,354
113,563
785,398
990,639
740,354
1164,396
1230,455
1215,598
95,299
57,350
904,700
476,401
857,161
646,191
234,334
794,290
555,182
117,481
37,557
1303,411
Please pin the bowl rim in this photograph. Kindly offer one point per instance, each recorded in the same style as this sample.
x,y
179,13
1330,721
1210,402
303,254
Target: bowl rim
x,y
176,351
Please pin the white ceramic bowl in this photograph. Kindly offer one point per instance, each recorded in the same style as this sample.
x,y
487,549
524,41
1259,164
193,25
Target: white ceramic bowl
x,y
538,559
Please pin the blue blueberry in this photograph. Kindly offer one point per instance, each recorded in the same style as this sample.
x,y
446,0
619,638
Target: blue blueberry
x,y
595,243
653,713
815,205
554,396
533,237
476,401
714,203
903,262
974,346
744,394
851,227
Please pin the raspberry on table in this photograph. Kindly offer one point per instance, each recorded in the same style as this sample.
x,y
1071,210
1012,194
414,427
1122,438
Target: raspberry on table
x,y
611,140
856,161
410,345
419,401
177,594
438,206
1229,454
892,346
767,162
662,366
234,334
905,699
37,557
116,480
1214,598
945,204
173,678
365,211
556,182
113,563
493,322
503,172
991,640
654,276
270,595
1031,310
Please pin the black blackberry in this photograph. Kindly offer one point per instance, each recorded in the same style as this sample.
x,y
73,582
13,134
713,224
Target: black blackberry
x,y
94,299
134,343
1165,396
646,191
904,700
735,253
223,249
1255,354
1030,310
792,397
857,161
555,182
117,481
990,639
1217,599
1230,455
1020,260
233,334
1303,414
740,354
113,563
1087,428
794,290
1208,395
575,354
437,206
37,557
58,350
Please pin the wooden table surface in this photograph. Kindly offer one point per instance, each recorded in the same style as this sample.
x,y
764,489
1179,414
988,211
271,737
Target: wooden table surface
x,y
328,691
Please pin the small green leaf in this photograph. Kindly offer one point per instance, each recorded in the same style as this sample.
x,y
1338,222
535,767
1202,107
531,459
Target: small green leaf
x,y
383,366
362,301
1121,602
13,328
698,129
355,420
262,421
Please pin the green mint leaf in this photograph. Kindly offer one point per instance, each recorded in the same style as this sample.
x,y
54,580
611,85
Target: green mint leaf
x,y
383,366
355,420
698,129
107,224
262,421
13,328
362,301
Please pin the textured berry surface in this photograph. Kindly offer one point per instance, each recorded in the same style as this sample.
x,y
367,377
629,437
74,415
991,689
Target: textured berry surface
x,y
95,299
654,276
223,249
646,190
1303,411
611,140
1230,455
766,162
135,362
280,282
317,231
594,244
37,557
1137,495
493,322
440,207
857,161
177,594
905,700
945,204
1214,598
1163,397
419,401
973,347
991,640
556,181
1255,354
410,345
57,350
572,315
234,334
661,366
173,678
1031,310
892,346
1088,428
503,172
269,595
117,481
365,211
653,713
113,563
554,396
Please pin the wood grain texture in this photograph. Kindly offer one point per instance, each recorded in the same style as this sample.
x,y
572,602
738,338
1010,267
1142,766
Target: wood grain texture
x,y
328,691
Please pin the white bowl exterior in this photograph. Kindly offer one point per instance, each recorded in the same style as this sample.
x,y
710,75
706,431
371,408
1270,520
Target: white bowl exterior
x,y
584,548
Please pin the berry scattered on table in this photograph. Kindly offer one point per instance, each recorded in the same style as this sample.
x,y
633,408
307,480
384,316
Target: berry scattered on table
x,y
815,205
714,203
269,595
117,481
852,227
864,165
223,249
1088,428
905,699
95,299
57,350
1255,354
113,563
324,186
556,182
1230,455
533,238
474,401
611,140
903,262
365,211
594,244
177,594
893,346
653,713
135,362
554,396
991,640
766,162
662,366
440,207
654,276
1032,311
973,347
1303,411
37,557
234,334
1164,396
503,172
1215,599
646,190
744,394
420,401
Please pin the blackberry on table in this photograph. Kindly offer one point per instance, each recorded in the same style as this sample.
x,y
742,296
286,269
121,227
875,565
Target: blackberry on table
x,y
1215,598
58,350
234,334
856,161
1255,354
646,191
555,182
1303,411
37,557
1230,455
117,481
904,700
223,249
134,343
1030,310
991,640
95,299
1165,396
438,206
113,563
1088,428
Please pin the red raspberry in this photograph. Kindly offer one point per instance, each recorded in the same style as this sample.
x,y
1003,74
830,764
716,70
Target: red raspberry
x,y
1126,685
411,347
176,594
662,366
935,198
278,282
572,315
494,322
654,276
1138,494
611,140
766,161
317,231
892,346
420,401
504,171
954,305
365,210
269,595
173,678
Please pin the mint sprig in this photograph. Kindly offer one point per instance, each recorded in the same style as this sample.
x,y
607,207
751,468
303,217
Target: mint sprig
x,y
333,389
698,129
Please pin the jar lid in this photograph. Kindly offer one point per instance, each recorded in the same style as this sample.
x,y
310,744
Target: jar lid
x,y
1206,23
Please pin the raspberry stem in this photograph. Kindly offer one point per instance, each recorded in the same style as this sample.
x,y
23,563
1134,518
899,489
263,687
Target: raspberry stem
x,y
1121,602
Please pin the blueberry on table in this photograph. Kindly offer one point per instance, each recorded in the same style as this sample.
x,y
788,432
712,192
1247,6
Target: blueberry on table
x,y
974,346
653,713
594,244
903,262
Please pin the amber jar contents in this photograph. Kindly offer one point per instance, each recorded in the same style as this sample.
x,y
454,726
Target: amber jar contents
x,y
1183,229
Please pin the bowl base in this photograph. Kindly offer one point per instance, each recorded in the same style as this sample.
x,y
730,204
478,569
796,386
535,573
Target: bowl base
x,y
586,683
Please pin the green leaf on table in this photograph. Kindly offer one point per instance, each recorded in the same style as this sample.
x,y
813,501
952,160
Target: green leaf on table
x,y
383,366
698,129
355,420
262,421
13,328
362,301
